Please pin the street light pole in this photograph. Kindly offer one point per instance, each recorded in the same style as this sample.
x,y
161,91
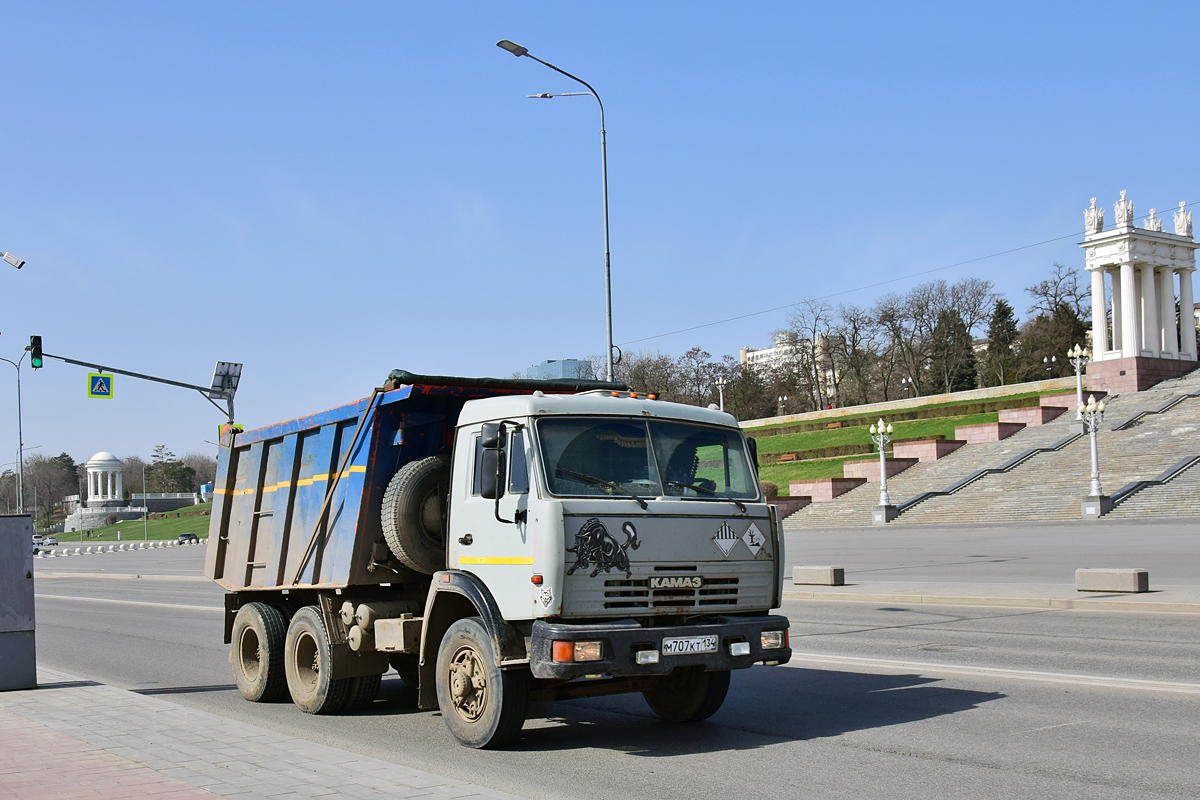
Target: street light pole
x,y
1095,504
518,50
20,438
881,435
1078,358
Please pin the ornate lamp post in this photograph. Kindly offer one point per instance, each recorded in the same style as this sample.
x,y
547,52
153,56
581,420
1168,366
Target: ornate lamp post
x,y
782,404
1050,361
721,389
1078,357
881,435
1096,504
907,383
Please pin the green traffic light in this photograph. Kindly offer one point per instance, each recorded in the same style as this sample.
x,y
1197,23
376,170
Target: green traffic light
x,y
35,352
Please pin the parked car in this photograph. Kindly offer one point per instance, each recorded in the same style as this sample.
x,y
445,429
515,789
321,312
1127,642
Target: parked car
x,y
188,538
50,541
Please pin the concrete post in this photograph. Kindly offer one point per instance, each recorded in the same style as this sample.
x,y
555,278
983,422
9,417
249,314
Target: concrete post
x,y
1148,311
18,659
1130,344
1166,313
1187,311
1099,316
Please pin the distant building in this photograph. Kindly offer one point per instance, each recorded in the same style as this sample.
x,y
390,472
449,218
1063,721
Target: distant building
x,y
555,369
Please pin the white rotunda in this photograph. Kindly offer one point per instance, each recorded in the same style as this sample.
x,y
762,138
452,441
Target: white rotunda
x,y
104,479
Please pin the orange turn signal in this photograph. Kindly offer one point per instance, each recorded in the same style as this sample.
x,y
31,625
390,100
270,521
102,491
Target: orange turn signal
x,y
564,652
537,580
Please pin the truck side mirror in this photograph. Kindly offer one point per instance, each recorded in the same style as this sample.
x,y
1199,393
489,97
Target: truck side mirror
x,y
492,435
491,474
492,463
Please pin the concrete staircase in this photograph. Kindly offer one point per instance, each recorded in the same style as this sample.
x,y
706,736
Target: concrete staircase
x,y
1048,486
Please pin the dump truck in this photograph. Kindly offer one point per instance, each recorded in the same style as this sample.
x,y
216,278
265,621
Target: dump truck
x,y
496,542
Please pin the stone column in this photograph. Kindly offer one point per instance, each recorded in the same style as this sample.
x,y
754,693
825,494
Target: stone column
x,y
120,493
1148,311
1187,311
1118,313
1166,313
1099,316
1130,346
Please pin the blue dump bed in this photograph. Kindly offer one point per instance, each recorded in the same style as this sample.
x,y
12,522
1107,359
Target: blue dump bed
x,y
297,504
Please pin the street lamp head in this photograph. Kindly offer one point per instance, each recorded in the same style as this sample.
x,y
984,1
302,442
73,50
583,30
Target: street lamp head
x,y
889,429
512,47
872,429
543,95
16,262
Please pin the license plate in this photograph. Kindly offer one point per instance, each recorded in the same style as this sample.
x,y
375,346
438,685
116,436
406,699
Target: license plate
x,y
680,645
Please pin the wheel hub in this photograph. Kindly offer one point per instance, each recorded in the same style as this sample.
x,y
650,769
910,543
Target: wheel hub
x,y
468,684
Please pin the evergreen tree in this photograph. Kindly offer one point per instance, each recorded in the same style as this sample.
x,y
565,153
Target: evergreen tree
x,y
1000,363
951,356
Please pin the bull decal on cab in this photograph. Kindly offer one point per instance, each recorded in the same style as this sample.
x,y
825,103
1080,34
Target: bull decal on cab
x,y
594,545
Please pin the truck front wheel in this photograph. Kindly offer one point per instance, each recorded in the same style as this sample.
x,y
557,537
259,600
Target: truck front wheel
x,y
688,694
483,706
256,652
308,663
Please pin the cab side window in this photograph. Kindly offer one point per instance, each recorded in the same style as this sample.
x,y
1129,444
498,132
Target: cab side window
x,y
518,470
477,482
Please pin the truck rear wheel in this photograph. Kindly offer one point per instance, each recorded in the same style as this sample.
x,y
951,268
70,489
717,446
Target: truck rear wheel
x,y
308,663
256,652
414,514
688,694
363,691
483,706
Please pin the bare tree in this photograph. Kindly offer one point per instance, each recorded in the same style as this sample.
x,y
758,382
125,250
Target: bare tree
x,y
205,467
696,374
1061,288
132,469
854,345
649,372
808,329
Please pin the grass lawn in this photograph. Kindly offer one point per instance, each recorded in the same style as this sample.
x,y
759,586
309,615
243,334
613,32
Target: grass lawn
x,y
161,526
782,474
859,435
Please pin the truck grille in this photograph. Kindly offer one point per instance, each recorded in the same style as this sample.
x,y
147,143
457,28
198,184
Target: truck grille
x,y
714,592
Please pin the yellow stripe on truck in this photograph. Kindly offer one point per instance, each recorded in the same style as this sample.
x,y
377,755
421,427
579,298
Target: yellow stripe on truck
x,y
528,561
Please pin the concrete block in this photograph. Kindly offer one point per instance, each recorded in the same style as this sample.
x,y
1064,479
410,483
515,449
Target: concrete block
x,y
926,449
789,505
987,431
819,576
1032,415
1112,580
869,467
882,515
1096,507
822,490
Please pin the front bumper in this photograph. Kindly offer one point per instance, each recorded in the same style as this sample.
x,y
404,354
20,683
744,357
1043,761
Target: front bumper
x,y
623,638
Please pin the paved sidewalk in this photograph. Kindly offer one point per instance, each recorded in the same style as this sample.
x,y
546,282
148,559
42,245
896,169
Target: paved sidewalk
x,y
74,738
1179,599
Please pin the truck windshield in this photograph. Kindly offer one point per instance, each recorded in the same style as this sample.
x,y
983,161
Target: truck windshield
x,y
642,458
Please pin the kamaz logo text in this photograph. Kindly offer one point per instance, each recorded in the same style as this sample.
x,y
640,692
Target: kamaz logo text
x,y
676,582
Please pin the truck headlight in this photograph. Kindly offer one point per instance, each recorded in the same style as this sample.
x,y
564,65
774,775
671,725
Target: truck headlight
x,y
739,648
568,652
774,640
644,657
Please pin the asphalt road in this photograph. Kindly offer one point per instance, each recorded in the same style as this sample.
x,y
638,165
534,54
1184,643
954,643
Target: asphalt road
x,y
882,701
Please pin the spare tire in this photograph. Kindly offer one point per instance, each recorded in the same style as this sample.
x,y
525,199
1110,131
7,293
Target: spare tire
x,y
414,514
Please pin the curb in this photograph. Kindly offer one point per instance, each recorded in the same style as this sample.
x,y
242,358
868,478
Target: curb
x,y
1096,604
87,550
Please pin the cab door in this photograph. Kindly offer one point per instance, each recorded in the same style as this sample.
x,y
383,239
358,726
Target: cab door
x,y
499,553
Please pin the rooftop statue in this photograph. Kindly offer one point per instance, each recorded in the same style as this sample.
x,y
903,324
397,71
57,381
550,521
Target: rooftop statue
x,y
1183,221
1124,211
1093,218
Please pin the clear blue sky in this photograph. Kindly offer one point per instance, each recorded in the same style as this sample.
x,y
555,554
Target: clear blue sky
x,y
326,192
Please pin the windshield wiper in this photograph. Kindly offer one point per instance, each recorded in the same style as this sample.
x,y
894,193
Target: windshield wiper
x,y
599,482
706,490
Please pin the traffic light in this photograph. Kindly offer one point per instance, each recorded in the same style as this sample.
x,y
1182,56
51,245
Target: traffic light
x,y
35,352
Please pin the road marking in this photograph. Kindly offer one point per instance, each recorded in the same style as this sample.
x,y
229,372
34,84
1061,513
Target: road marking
x,y
999,672
123,576
125,602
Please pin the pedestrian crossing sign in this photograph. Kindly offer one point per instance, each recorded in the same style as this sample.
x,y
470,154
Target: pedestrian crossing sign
x,y
100,385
